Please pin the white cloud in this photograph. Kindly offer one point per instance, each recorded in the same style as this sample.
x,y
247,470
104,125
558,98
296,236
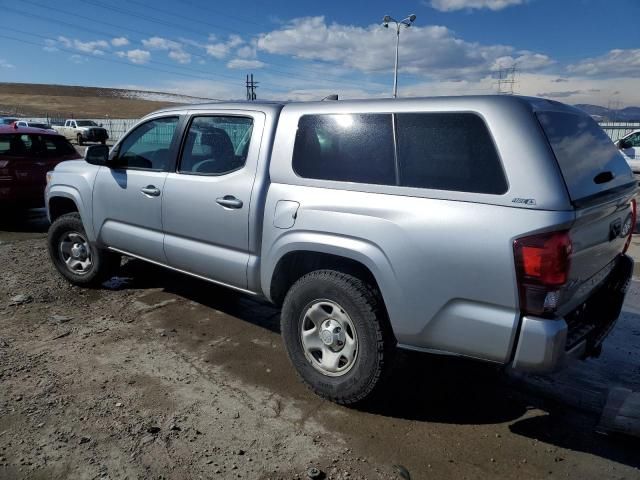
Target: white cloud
x,y
615,62
159,43
452,5
430,51
50,45
571,90
120,41
241,63
5,64
94,47
180,56
220,50
248,51
136,56
217,50
78,59
524,60
176,49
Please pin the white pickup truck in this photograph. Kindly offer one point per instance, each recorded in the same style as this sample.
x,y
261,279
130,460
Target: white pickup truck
x,y
83,131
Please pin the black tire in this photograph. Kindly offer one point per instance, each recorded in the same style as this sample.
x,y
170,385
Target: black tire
x,y
104,264
375,341
79,140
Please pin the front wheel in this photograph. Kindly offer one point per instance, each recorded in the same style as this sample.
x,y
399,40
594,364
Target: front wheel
x,y
74,257
336,334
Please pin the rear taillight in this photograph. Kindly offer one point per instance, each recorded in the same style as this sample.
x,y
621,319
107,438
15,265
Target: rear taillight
x,y
542,266
632,227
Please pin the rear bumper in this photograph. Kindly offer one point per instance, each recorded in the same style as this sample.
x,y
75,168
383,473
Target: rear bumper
x,y
544,345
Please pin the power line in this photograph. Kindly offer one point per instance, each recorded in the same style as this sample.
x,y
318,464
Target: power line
x,y
151,19
113,60
338,81
231,77
159,21
218,12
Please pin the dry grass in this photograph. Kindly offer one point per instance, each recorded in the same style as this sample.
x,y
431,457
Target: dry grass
x,y
35,100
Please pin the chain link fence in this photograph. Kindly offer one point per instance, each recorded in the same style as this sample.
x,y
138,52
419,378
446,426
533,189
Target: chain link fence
x,y
617,130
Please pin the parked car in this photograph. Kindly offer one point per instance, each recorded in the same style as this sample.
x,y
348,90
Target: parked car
x,y
83,131
25,123
490,227
7,120
26,155
629,145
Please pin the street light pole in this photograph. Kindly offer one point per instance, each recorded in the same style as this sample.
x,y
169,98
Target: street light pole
x,y
395,68
407,22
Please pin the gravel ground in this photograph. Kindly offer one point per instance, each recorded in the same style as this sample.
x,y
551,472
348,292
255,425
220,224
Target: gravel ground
x,y
160,376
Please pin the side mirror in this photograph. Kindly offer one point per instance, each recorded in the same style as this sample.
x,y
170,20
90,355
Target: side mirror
x,y
97,155
99,124
624,144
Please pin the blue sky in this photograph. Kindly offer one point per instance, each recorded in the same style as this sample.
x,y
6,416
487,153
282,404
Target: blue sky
x,y
577,51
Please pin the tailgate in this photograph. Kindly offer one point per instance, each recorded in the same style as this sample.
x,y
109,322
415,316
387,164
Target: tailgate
x,y
598,236
601,187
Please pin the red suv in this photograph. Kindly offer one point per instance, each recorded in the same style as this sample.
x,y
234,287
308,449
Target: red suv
x,y
26,155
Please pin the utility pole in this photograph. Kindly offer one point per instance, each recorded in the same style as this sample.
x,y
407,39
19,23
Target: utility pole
x,y
507,80
251,88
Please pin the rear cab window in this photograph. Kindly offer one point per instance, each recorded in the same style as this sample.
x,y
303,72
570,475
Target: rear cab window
x,y
345,147
443,151
583,152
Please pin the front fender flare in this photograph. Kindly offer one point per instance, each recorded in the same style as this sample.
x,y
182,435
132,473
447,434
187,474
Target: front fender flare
x,y
70,192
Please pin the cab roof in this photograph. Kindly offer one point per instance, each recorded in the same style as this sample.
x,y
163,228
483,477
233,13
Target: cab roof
x,y
40,131
532,103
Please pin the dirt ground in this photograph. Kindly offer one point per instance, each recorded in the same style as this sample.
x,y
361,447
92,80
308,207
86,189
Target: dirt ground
x,y
159,376
72,101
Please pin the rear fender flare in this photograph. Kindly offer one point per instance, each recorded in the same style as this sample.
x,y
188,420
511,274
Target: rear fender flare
x,y
356,249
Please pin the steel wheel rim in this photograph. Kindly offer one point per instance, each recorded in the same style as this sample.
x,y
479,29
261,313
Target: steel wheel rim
x,y
75,253
328,337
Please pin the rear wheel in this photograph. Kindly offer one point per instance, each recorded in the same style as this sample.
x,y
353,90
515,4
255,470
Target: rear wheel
x,y
74,257
79,139
336,334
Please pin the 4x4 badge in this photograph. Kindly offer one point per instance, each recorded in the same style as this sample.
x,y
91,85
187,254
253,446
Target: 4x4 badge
x,y
525,201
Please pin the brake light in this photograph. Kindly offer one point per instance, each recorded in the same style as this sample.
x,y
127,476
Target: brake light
x,y
632,227
542,266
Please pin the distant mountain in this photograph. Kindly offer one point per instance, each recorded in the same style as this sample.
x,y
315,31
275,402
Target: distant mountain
x,y
628,114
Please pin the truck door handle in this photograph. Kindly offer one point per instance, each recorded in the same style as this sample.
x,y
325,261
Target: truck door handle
x,y
151,190
229,201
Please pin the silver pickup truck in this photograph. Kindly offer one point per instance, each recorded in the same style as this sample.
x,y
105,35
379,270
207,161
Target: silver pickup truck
x,y
83,131
489,227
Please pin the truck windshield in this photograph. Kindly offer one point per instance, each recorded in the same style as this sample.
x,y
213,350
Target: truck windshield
x,y
86,123
583,150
